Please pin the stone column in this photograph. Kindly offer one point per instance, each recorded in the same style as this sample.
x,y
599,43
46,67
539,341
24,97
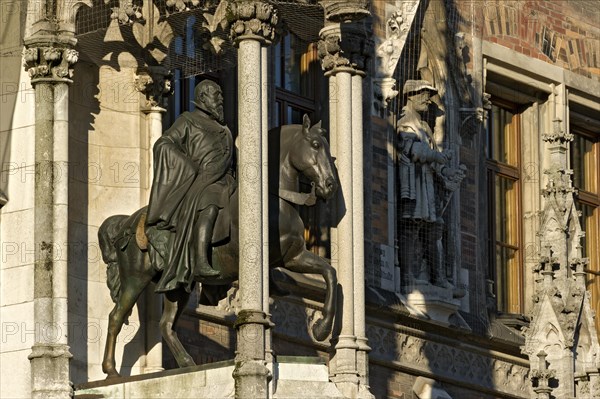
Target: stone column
x,y
343,58
264,77
358,229
155,83
252,26
345,348
48,60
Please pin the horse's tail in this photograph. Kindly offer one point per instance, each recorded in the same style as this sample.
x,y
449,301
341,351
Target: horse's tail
x,y
106,238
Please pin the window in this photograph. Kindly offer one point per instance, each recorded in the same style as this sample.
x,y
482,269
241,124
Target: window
x,y
585,162
297,74
503,152
298,81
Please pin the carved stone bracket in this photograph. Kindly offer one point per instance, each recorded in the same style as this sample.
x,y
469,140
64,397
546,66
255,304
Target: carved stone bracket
x,y
343,46
251,19
49,60
155,83
345,10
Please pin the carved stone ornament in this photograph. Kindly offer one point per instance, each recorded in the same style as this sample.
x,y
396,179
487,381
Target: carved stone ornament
x,y
558,136
252,19
343,48
215,25
128,12
155,83
49,62
181,5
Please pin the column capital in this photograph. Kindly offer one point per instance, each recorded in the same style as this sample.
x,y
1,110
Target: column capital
x,y
253,20
155,83
50,58
344,48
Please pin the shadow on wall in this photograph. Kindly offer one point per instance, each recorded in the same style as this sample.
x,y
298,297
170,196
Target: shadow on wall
x,y
84,258
11,36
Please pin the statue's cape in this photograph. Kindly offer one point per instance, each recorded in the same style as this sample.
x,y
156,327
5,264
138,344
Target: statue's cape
x,y
192,161
175,172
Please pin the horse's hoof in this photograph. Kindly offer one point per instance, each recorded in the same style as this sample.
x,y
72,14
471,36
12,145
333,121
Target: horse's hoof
x,y
321,330
186,361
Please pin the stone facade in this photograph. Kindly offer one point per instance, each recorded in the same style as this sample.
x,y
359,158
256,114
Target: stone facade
x,y
81,111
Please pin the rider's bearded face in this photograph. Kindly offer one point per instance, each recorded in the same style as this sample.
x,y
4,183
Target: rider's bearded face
x,y
213,101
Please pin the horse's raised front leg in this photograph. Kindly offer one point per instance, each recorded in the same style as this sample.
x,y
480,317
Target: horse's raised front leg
x,y
130,291
174,304
308,262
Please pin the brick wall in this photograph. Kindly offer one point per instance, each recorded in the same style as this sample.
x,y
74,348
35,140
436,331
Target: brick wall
x,y
562,33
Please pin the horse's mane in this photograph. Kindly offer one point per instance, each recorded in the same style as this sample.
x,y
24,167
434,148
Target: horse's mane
x,y
280,137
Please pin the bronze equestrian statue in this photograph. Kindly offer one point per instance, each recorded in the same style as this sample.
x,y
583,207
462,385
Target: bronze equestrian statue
x,y
127,241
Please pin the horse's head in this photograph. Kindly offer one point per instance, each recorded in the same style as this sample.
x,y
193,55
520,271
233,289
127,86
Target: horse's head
x,y
312,157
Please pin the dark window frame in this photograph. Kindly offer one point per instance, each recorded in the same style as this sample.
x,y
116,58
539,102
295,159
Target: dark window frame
x,y
513,173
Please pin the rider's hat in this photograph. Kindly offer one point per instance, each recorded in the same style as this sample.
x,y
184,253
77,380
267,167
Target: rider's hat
x,y
415,86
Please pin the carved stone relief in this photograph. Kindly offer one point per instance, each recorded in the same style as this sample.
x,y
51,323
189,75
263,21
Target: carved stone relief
x,y
388,53
449,361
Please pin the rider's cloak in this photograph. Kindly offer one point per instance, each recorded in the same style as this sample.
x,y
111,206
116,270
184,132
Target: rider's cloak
x,y
192,170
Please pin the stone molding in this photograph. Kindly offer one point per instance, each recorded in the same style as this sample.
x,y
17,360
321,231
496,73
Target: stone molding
x,y
155,83
49,60
344,47
252,19
421,356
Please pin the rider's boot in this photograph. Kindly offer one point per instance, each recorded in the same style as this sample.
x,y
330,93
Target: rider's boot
x,y
204,229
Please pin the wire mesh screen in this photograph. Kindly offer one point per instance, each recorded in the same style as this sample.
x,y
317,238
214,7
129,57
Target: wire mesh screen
x,y
174,33
434,85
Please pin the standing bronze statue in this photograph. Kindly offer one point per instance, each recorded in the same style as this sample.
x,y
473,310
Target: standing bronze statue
x,y
194,208
426,182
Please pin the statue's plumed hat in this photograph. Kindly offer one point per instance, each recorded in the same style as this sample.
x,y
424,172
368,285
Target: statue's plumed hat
x,y
414,86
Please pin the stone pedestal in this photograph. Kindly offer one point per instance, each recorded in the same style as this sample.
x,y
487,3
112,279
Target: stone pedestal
x,y
303,377
438,303
294,377
206,381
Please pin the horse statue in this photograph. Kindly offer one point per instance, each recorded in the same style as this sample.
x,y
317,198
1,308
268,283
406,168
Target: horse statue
x,y
294,150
